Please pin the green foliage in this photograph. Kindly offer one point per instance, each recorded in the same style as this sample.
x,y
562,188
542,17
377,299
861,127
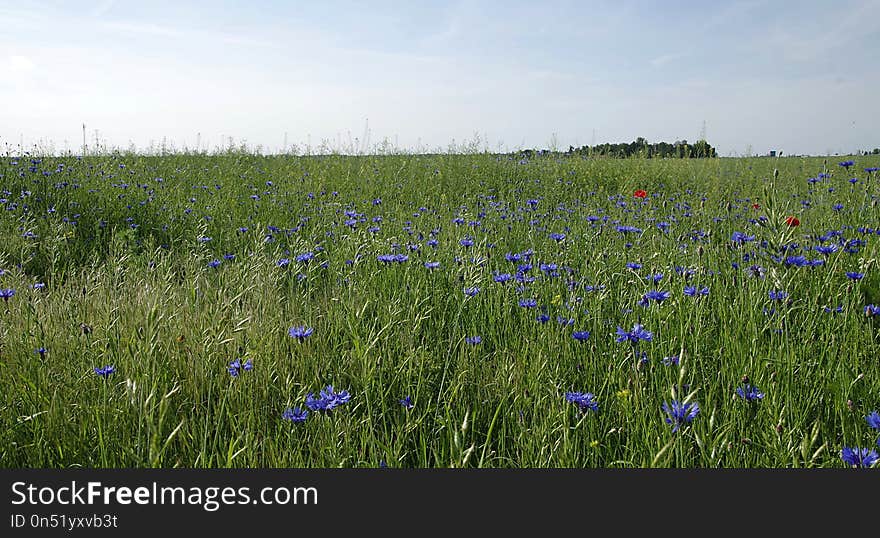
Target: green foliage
x,y
680,149
130,285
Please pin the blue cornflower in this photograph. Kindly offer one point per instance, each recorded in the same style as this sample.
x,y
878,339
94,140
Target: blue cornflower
x,y
655,277
846,164
328,399
671,360
432,265
528,303
543,318
873,420
580,336
104,371
548,267
295,415
678,413
756,271
749,393
407,402
586,401
229,257
283,262
558,237
740,237
797,261
872,310
826,249
692,291
335,398
854,275
470,292
466,242
637,333
859,457
300,333
304,257
655,295
502,277
5,294
315,404
213,264
473,340
42,352
777,295
634,266
235,367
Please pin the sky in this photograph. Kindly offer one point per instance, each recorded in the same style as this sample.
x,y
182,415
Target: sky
x,y
799,77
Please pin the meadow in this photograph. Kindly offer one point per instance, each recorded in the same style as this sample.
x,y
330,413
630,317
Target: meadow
x,y
450,310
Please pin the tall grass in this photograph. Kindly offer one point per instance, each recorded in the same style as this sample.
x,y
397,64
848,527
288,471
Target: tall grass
x,y
119,244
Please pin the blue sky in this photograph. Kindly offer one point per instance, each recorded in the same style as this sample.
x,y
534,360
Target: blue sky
x,y
800,77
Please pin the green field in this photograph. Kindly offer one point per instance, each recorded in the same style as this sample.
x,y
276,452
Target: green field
x,y
171,268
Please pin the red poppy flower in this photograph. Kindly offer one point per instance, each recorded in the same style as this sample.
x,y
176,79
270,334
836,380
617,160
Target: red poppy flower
x,y
792,221
640,193
756,206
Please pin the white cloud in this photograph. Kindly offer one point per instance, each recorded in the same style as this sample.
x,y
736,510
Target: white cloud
x,y
103,7
128,27
19,64
731,13
665,59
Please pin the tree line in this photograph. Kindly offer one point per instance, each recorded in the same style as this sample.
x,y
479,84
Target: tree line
x,y
640,147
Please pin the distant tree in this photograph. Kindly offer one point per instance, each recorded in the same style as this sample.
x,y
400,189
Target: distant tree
x,y
702,149
639,147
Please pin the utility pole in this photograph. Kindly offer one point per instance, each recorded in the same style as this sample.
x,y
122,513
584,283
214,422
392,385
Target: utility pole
x,y
84,140
703,131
